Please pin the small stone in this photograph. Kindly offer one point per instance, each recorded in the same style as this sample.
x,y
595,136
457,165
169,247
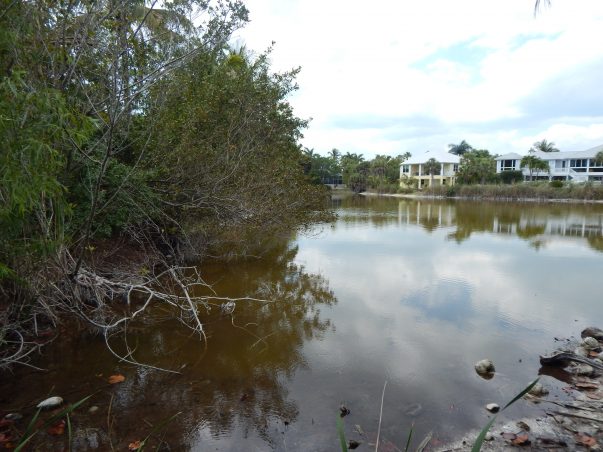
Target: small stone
x,y
93,409
538,390
581,351
484,367
13,416
583,370
489,436
594,332
590,343
50,402
522,425
493,408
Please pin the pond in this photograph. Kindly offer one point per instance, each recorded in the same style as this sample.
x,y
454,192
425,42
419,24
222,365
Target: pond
x,y
408,292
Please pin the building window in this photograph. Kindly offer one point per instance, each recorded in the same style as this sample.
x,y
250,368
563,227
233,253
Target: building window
x,y
405,169
578,163
455,167
507,165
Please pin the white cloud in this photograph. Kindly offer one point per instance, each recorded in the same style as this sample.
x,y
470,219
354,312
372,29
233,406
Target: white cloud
x,y
364,61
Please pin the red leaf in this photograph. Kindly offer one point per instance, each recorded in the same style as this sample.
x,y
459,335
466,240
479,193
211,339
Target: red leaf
x,y
521,440
118,378
57,429
134,445
586,440
4,437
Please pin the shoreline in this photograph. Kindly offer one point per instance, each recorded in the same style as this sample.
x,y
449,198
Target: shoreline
x,y
484,198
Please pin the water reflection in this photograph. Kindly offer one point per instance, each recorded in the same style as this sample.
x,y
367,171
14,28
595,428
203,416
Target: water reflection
x,y
535,223
234,392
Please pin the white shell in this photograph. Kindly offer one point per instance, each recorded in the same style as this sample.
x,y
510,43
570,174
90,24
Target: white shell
x,y
51,402
493,408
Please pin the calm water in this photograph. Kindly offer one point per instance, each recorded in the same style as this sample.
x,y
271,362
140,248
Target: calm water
x,y
403,291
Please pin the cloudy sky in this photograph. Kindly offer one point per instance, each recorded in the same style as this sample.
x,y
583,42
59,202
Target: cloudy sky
x,y
390,76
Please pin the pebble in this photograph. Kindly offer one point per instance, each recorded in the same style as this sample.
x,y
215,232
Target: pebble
x,y
583,370
590,343
492,408
50,402
484,366
581,351
93,409
489,436
13,416
538,390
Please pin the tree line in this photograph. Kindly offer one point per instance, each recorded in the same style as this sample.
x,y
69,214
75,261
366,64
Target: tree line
x,y
137,120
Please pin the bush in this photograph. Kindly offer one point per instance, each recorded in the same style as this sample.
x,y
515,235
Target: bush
x,y
556,184
511,177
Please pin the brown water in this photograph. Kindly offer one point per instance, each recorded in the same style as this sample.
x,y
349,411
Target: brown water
x,y
408,292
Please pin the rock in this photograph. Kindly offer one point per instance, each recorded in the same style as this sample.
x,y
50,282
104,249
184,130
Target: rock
x,y
51,402
484,367
590,343
353,444
343,411
522,425
13,416
493,408
581,351
593,332
489,436
538,390
583,370
93,409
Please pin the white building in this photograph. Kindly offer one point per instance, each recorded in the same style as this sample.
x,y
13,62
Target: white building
x,y
414,168
577,166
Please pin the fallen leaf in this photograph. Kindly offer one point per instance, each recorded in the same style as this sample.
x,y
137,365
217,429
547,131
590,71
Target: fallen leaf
x,y
587,385
586,440
4,437
5,422
57,429
594,395
116,379
521,440
135,445
593,354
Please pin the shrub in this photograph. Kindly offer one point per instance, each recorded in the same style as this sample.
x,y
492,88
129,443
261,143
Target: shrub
x,y
511,177
556,184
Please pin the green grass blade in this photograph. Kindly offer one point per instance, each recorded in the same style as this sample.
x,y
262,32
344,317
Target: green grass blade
x,y
23,442
157,428
409,438
521,394
477,445
342,442
69,433
28,435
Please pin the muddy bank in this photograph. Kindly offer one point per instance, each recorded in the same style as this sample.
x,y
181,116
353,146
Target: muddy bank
x,y
572,420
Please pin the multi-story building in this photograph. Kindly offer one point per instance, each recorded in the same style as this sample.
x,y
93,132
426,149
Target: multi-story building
x,y
414,169
579,166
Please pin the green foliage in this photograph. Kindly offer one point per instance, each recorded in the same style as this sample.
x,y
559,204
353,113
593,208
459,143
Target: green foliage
x,y
511,177
477,167
556,184
460,149
534,164
544,146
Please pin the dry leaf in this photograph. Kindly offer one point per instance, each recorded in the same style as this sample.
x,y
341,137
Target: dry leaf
x,y
57,429
593,354
521,440
116,379
594,395
135,445
587,385
4,437
586,440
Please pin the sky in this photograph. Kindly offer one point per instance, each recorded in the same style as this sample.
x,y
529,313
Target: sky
x,y
391,76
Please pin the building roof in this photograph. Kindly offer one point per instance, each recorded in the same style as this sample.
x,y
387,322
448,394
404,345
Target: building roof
x,y
509,156
589,153
440,156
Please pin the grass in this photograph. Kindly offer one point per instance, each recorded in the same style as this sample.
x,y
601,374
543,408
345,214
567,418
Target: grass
x,y
533,190
477,445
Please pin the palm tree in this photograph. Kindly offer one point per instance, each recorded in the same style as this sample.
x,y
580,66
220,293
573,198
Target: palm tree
x,y
459,149
432,166
544,146
335,154
534,163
